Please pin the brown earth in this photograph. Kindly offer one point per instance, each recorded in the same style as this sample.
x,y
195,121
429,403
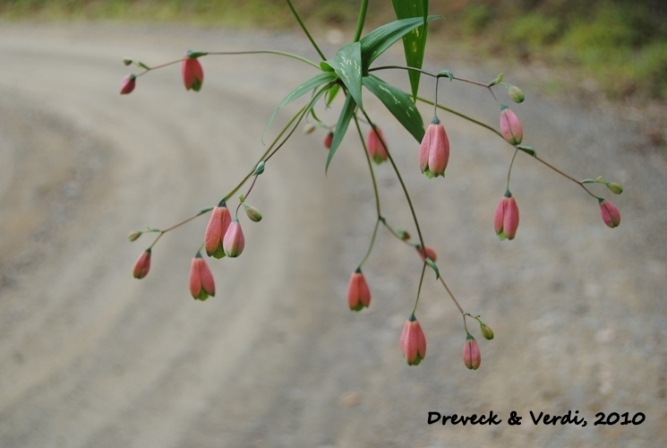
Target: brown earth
x,y
91,357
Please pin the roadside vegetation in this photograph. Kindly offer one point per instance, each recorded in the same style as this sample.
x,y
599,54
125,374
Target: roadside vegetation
x,y
619,45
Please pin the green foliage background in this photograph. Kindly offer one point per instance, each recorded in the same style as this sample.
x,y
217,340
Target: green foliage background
x,y
620,43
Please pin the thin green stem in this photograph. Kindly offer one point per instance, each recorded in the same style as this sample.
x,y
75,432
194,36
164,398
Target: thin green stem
x,y
275,52
509,171
305,30
419,289
375,191
360,22
175,226
424,72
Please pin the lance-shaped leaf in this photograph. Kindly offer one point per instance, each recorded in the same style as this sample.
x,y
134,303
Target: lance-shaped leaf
x,y
399,104
341,127
347,65
380,39
414,42
299,91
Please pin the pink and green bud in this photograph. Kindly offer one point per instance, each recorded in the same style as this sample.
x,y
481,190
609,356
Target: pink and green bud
x,y
610,214
253,214
413,341
358,293
510,126
506,218
128,84
193,74
472,358
234,241
515,94
142,265
328,140
376,145
216,230
434,150
426,252
487,332
202,284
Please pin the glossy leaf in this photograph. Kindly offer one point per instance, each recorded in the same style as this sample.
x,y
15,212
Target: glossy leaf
x,y
414,42
341,127
347,65
399,104
380,39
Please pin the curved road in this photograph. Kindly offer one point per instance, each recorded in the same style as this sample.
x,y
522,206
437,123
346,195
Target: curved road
x,y
91,357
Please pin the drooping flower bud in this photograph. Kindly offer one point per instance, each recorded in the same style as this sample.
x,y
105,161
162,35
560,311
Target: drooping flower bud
x,y
413,341
128,84
202,284
234,241
510,126
309,128
515,94
428,252
375,145
328,140
506,218
472,358
253,214
142,265
610,214
216,230
358,293
434,150
487,332
193,74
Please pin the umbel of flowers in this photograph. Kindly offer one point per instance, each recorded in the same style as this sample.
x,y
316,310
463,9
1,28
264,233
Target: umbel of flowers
x,y
338,83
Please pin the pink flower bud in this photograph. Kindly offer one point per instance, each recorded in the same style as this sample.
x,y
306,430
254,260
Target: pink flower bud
x,y
510,126
328,140
216,229
472,358
506,218
434,150
202,284
358,293
430,253
610,214
413,342
142,265
128,84
193,74
376,144
234,241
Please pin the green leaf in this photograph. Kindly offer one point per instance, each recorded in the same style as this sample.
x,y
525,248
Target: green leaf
x,y
341,127
347,65
380,39
433,266
527,149
331,94
301,90
399,104
414,42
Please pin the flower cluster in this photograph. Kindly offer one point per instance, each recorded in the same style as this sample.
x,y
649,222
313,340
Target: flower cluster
x,y
348,72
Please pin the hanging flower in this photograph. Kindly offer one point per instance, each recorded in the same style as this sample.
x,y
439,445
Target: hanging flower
x,y
434,150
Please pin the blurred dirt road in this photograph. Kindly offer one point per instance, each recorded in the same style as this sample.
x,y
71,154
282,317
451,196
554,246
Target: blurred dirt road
x,y
90,357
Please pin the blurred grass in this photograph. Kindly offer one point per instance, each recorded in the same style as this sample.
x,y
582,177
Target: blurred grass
x,y
621,44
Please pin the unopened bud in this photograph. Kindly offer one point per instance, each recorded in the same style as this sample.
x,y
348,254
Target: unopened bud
x,y
309,128
430,253
510,126
128,84
472,358
253,214
234,241
358,293
515,94
615,188
134,236
142,265
328,140
127,61
610,214
487,332
413,342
